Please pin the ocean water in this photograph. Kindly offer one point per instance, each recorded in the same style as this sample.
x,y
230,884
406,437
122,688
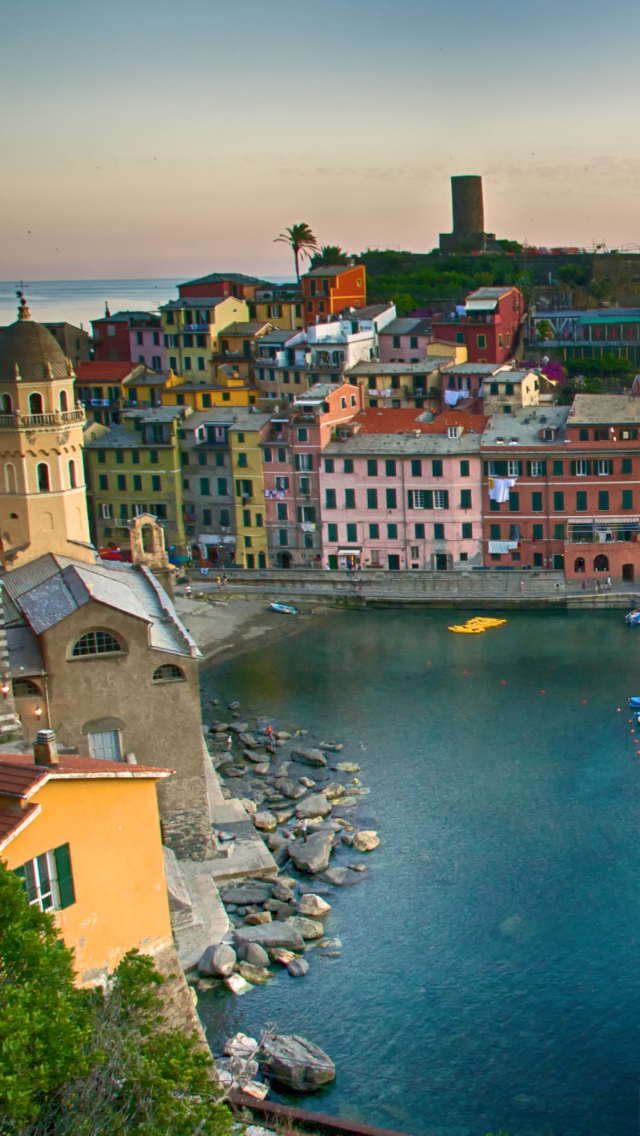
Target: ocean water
x,y
490,971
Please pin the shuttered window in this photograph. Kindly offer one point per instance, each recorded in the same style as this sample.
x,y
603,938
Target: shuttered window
x,y
48,879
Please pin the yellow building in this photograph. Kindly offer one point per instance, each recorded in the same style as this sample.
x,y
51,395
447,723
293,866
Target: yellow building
x,y
442,347
42,489
84,837
280,304
192,330
228,388
248,490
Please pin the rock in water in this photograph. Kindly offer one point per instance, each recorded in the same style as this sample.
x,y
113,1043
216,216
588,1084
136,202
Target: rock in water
x,y
312,855
365,841
296,1062
240,1045
270,935
256,955
256,975
266,822
308,928
308,756
297,967
247,893
316,805
237,984
219,960
313,905
257,918
343,877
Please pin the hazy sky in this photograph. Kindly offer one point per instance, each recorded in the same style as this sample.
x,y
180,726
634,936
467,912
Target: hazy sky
x,y
170,137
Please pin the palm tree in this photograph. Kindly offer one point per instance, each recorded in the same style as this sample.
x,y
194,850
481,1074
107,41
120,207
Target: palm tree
x,y
330,254
301,240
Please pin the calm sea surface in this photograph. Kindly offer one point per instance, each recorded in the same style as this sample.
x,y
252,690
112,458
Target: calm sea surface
x,y
490,972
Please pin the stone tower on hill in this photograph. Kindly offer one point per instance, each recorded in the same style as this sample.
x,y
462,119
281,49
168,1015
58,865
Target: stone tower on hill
x,y
43,506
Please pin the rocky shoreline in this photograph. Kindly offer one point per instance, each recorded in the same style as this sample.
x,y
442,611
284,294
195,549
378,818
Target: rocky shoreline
x,y
309,806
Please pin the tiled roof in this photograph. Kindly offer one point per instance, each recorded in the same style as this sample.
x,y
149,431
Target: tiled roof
x,y
402,421
218,277
407,325
332,269
12,821
22,764
115,372
20,780
428,364
251,328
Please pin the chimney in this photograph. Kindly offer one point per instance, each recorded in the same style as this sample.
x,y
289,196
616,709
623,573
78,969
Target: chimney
x,y
45,751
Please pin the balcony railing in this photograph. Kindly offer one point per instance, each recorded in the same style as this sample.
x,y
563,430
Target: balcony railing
x,y
60,418
602,530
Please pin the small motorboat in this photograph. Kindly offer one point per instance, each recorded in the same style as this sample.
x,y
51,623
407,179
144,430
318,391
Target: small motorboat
x,y
632,619
634,704
284,609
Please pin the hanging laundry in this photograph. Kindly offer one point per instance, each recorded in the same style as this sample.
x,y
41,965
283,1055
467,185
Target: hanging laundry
x,y
451,397
499,491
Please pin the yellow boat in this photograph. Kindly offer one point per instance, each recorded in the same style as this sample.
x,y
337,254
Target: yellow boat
x,y
468,630
476,625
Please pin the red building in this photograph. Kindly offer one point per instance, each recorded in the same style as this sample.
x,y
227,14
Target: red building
x,y
221,284
111,339
487,325
328,290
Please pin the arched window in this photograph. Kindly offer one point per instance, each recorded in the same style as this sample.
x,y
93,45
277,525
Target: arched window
x,y
64,401
168,673
35,404
6,405
10,478
72,474
96,643
147,539
23,687
44,485
601,564
579,565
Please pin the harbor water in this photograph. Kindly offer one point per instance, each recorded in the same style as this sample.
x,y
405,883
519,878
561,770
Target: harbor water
x,y
489,976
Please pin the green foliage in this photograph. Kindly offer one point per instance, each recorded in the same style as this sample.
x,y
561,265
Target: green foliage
x,y
330,254
543,329
404,303
433,276
600,367
83,1063
574,274
301,240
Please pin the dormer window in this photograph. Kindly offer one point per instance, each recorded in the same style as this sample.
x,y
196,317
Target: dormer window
x,y
454,431
547,433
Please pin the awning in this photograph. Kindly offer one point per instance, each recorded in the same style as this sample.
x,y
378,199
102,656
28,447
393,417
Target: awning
x,y
349,551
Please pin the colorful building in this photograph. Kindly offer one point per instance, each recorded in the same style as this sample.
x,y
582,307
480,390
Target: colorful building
x,y
405,340
245,444
136,469
588,334
508,391
228,388
221,285
111,334
192,328
281,366
102,388
146,344
329,290
84,838
404,493
74,341
400,385
279,304
488,324
293,441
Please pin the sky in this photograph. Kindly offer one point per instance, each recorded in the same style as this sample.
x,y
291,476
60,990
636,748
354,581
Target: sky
x,y
157,138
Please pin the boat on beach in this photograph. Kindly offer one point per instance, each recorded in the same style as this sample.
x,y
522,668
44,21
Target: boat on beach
x,y
284,609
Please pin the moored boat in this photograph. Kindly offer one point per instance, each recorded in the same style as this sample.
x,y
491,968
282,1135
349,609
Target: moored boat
x,y
284,609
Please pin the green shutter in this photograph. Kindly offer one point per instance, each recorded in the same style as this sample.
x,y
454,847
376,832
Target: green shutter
x,y
446,498
66,889
544,469
528,469
428,499
410,498
573,469
486,467
627,498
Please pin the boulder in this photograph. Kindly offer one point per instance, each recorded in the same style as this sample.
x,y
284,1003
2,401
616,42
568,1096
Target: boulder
x,y
237,984
261,767
307,782
297,967
313,854
256,955
297,1062
219,960
256,975
279,954
366,840
282,892
357,867
258,917
275,840
219,728
289,789
308,928
270,935
247,893
265,821
283,815
205,984
316,805
331,747
240,1045
343,877
283,736
248,806
251,755
285,910
315,889
239,727
334,790
248,740
313,905
309,756
347,767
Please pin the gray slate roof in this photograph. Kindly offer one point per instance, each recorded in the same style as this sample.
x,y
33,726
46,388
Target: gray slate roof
x,y
373,445
476,368
525,426
50,588
605,409
407,325
425,366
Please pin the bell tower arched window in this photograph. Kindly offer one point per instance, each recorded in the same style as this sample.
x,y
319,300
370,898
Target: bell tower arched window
x,y
6,405
72,475
44,485
35,403
64,401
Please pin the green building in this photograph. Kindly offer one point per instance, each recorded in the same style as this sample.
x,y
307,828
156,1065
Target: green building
x,y
135,468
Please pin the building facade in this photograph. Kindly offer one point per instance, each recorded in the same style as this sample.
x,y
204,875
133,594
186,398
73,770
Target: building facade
x,y
488,324
146,343
192,327
328,290
75,342
111,334
245,443
104,389
279,304
405,340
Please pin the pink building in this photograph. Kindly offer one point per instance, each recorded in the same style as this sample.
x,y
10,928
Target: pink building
x,y
404,340
403,493
146,343
293,441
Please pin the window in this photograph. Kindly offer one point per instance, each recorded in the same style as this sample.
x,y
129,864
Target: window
x,y
332,534
372,467
464,468
48,880
584,435
169,672
420,498
419,532
626,465
581,468
330,498
246,518
581,501
558,468
122,482
627,498
604,467
224,519
537,469
603,500
436,467
352,533
43,477
329,465
156,483
537,532
303,434
247,542
467,530
440,499
372,498
416,467
35,404
303,461
267,455
396,341
482,341
537,560
494,506
96,643
282,483
105,511
494,388
514,469
24,687
600,434
207,517
558,502
281,511
465,498
392,499
374,532
558,532
348,465
390,467
392,532
349,498
153,457
536,502
514,501
626,435
494,532
438,532
159,511
242,461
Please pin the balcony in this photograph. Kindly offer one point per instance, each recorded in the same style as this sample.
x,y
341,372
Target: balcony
x,y
31,421
602,530
195,327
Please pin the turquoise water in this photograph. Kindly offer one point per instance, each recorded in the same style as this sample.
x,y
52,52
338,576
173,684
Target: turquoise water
x,y
490,972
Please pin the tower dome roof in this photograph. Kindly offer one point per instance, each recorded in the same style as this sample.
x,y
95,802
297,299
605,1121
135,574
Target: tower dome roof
x,y
31,353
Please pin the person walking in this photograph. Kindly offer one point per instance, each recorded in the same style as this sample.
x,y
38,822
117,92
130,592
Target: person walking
x,y
609,582
302,829
229,741
584,585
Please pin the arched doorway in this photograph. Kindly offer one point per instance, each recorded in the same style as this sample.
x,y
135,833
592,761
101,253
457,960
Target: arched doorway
x,y
35,404
601,563
284,559
579,565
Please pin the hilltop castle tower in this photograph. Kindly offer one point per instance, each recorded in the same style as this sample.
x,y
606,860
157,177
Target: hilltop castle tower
x,y
43,505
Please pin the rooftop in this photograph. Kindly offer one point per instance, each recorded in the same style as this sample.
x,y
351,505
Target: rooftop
x,y
522,428
408,420
332,269
407,325
250,328
604,409
241,418
369,312
509,376
408,444
319,392
194,302
477,368
114,372
425,366
220,277
124,317
490,293
277,335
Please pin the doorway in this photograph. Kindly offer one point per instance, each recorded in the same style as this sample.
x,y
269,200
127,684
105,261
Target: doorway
x,y
628,573
394,563
441,561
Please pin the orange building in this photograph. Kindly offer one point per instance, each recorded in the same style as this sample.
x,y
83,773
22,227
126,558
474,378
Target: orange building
x,y
330,289
84,836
